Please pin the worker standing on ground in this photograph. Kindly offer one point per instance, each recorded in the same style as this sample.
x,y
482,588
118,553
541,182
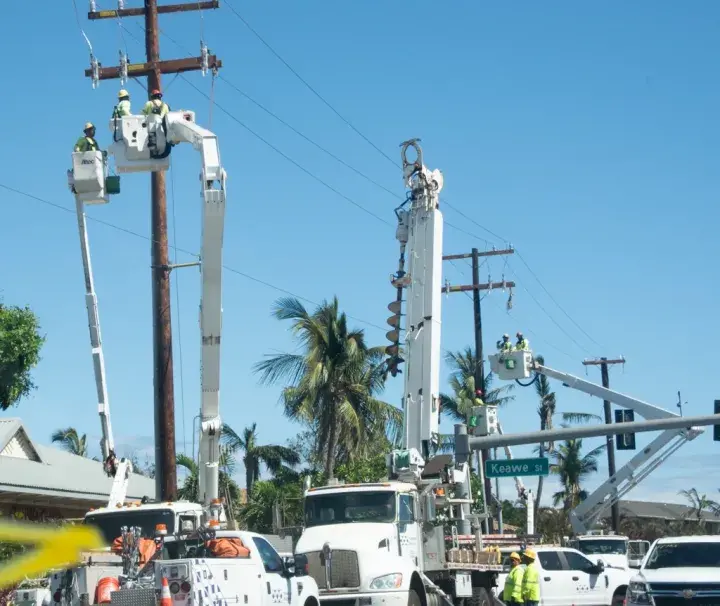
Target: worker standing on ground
x,y
531,580
123,106
156,105
87,142
522,343
512,593
504,345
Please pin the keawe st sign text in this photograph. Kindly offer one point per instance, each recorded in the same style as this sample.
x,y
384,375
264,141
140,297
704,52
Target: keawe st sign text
x,y
509,468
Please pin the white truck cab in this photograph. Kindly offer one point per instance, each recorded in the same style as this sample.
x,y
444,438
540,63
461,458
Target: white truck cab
x,y
617,551
678,570
570,578
372,523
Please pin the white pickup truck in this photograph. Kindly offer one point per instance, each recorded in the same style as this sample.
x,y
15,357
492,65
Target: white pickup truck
x,y
678,570
197,578
569,578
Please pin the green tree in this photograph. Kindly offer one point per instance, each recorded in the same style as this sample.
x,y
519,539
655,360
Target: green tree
x,y
272,456
457,406
573,467
190,487
546,411
332,385
70,440
699,504
20,344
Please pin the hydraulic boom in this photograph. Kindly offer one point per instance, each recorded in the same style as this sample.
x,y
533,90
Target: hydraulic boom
x,y
521,365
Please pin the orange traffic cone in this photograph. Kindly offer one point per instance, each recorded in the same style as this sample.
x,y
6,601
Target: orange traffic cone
x,y
165,598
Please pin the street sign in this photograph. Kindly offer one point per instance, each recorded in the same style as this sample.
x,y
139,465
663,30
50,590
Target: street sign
x,y
509,468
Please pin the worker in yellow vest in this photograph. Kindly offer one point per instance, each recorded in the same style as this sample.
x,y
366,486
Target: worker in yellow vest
x,y
522,343
531,579
87,142
156,105
512,593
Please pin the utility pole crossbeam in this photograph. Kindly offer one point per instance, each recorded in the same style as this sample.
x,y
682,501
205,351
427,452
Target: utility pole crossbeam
x,y
607,409
479,377
162,10
153,68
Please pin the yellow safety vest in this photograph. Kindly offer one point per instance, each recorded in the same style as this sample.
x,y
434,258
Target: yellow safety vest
x,y
531,584
85,144
514,585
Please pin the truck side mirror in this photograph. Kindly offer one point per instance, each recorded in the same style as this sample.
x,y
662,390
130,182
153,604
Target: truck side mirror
x,y
289,566
429,507
302,566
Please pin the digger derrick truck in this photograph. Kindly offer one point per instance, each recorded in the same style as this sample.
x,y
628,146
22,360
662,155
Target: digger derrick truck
x,y
144,144
406,541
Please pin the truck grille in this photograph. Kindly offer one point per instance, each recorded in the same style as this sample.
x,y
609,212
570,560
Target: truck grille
x,y
684,594
344,570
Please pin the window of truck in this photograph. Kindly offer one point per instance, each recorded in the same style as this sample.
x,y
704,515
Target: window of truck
x,y
684,555
603,546
348,507
110,524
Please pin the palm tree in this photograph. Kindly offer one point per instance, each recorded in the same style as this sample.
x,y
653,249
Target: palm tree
x,y
699,504
70,440
273,457
546,411
190,488
573,467
331,386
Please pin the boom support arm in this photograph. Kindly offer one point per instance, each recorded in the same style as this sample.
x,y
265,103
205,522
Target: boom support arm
x,y
212,179
520,364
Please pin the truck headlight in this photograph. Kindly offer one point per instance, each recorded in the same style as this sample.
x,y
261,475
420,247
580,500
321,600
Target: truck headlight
x,y
637,593
387,581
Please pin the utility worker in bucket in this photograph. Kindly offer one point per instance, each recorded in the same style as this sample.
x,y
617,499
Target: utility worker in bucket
x,y
512,593
123,105
504,346
156,105
522,343
531,579
87,142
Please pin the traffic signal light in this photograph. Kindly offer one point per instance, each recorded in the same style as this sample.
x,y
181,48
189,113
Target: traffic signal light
x,y
716,428
625,441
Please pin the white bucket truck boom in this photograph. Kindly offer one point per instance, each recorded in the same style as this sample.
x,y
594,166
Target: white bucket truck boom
x,y
143,144
520,365
384,544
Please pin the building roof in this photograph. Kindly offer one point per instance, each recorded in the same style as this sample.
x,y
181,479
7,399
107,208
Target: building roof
x,y
27,468
660,511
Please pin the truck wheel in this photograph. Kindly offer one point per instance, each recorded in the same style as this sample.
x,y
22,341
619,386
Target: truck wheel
x,y
480,597
414,598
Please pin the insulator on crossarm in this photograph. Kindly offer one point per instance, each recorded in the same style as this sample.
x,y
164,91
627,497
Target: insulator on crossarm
x,y
395,307
204,58
93,6
95,67
121,5
123,68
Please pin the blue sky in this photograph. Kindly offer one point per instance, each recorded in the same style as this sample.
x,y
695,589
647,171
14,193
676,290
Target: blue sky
x,y
584,135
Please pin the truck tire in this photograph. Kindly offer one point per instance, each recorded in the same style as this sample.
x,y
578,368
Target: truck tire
x,y
414,598
480,597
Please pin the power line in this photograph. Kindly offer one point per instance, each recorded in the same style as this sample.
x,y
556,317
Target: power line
x,y
185,251
309,87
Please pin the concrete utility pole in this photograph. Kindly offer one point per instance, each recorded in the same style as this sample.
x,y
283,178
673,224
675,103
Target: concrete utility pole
x,y
476,287
165,463
603,363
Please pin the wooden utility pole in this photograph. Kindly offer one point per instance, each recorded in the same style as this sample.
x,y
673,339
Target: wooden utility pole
x,y
164,401
476,287
603,364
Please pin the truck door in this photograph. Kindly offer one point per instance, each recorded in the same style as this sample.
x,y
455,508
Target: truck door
x,y
591,586
556,587
408,527
276,587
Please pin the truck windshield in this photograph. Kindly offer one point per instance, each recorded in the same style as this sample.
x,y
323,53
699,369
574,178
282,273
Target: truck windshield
x,y
110,524
603,546
684,555
345,507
